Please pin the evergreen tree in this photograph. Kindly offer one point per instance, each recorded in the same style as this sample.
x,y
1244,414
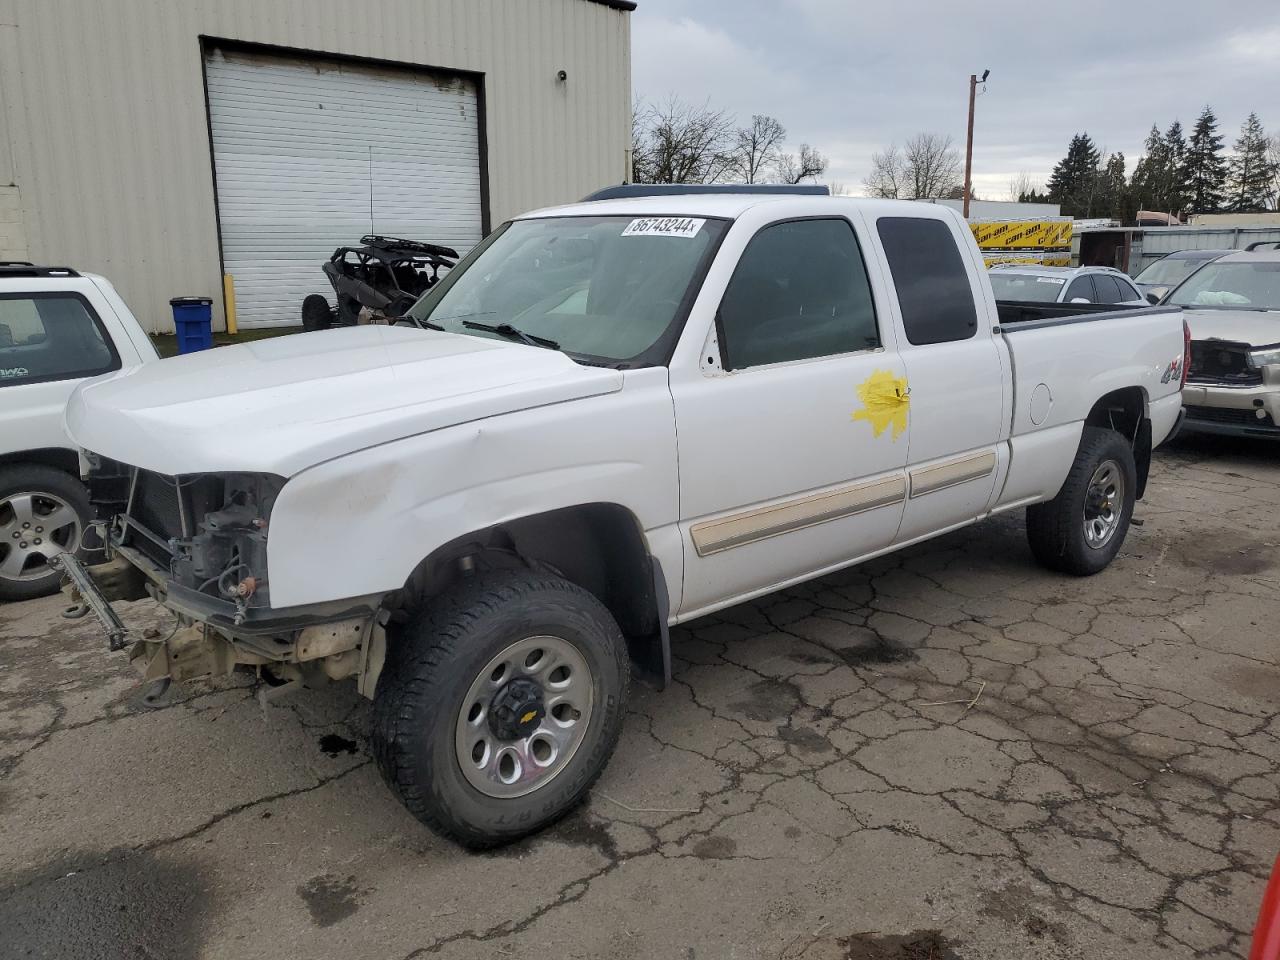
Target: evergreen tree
x,y
1073,181
1250,170
1146,186
1204,169
1113,190
1177,191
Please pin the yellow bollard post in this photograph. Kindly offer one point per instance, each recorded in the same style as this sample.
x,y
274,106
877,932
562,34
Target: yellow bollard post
x,y
229,298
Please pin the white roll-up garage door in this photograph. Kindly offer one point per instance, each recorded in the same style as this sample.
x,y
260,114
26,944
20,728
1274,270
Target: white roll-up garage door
x,y
310,155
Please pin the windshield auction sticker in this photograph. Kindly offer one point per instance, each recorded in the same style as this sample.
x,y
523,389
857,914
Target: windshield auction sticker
x,y
1058,281
663,227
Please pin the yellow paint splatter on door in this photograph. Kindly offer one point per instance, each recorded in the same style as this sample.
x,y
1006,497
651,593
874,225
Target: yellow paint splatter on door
x,y
885,401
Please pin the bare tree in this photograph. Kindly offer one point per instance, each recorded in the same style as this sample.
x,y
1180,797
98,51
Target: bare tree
x,y
838,189
807,164
886,176
678,142
932,164
926,167
1021,185
756,149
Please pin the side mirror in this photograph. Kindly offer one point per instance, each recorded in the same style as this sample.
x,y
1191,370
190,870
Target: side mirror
x,y
1153,296
1081,300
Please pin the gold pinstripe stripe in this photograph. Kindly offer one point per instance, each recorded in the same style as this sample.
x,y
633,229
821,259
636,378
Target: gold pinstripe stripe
x,y
748,526
943,475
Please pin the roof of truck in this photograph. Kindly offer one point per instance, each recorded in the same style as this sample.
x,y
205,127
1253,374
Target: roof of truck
x,y
726,205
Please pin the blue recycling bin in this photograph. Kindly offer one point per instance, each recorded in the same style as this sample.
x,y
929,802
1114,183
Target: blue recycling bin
x,y
193,323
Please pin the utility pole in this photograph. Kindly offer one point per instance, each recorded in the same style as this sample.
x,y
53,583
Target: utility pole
x,y
968,143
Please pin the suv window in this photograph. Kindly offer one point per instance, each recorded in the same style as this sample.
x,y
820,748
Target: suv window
x,y
1127,290
51,337
1108,289
799,291
1080,287
934,291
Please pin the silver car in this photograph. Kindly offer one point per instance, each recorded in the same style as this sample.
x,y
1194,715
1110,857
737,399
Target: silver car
x,y
1160,277
1032,284
1232,308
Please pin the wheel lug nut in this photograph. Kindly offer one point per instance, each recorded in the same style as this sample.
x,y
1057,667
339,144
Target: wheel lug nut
x,y
39,529
22,544
37,541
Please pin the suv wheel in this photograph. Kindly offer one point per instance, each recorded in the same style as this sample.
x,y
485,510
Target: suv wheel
x,y
43,512
502,706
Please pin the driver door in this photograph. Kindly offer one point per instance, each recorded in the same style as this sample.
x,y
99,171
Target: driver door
x,y
788,464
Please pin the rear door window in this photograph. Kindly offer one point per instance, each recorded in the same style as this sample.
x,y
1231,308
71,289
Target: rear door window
x,y
51,336
1127,290
934,291
1108,289
1081,288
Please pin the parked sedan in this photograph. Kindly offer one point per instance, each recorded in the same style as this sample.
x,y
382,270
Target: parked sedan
x,y
1160,277
1232,308
1015,282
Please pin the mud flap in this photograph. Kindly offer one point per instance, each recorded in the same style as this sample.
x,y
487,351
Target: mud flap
x,y
651,654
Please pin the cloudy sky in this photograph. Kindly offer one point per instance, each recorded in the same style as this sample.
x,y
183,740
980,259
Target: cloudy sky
x,y
850,77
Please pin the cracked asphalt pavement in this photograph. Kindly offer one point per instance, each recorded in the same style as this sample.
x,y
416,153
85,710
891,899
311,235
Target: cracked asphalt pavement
x,y
944,753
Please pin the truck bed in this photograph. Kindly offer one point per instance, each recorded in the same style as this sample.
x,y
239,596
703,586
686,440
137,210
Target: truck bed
x,y
1024,311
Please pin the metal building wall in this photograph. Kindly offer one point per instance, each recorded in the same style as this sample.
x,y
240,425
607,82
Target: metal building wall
x,y
1160,241
104,110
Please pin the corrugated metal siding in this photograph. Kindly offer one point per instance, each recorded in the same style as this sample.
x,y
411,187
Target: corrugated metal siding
x,y
1156,243
106,114
310,155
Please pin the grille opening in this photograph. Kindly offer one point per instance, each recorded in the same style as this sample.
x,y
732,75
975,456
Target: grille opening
x,y
1222,362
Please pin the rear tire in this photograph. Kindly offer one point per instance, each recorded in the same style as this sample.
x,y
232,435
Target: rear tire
x,y
48,510
475,727
1081,530
316,313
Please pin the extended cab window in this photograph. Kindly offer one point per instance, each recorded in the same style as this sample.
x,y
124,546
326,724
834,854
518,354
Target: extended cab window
x,y
51,337
934,291
799,291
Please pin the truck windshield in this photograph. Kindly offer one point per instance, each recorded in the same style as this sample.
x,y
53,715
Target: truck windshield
x,y
1169,271
1026,287
603,288
1242,285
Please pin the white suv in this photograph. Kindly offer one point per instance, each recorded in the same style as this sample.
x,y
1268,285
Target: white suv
x,y
1032,284
57,328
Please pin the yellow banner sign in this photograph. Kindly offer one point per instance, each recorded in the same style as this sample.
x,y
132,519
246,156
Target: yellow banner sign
x,y
1022,234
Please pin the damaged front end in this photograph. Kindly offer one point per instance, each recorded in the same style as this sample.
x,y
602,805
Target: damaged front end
x,y
198,545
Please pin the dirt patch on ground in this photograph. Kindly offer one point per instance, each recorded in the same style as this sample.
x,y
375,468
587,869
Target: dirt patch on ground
x,y
330,899
88,908
922,945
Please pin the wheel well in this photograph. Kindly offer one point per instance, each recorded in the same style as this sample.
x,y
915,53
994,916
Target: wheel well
x,y
1125,411
57,457
600,547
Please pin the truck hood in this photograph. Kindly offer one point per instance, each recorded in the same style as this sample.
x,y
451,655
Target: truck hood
x,y
1259,328
284,404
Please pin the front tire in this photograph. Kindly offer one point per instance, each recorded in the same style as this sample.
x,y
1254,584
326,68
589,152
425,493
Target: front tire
x,y
316,313
43,512
1081,530
501,707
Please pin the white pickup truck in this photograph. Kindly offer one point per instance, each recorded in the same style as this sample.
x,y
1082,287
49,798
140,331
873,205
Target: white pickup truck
x,y
610,418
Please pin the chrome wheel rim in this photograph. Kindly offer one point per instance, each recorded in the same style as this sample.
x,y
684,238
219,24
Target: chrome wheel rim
x,y
524,717
35,526
1103,504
